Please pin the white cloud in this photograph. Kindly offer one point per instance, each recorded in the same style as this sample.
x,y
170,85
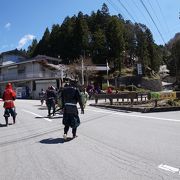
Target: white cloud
x,y
24,40
7,26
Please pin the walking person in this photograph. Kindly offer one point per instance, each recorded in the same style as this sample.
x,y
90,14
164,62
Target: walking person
x,y
84,96
9,97
70,97
42,96
51,99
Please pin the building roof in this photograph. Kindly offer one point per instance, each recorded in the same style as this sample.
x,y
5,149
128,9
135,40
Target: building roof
x,y
39,58
14,52
166,84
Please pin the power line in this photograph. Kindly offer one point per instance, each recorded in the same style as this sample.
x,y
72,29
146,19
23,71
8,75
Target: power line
x,y
131,9
155,14
160,22
154,11
126,10
139,10
164,19
152,21
114,6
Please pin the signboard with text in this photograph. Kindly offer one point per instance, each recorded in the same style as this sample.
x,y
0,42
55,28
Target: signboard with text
x,y
139,69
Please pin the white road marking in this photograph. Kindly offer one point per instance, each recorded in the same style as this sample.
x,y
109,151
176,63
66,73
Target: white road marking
x,y
36,115
169,168
138,116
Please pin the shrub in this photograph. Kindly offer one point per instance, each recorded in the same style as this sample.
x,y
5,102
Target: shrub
x,y
122,88
104,86
131,88
171,102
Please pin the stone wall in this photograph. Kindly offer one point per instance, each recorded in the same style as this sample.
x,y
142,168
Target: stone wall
x,y
153,85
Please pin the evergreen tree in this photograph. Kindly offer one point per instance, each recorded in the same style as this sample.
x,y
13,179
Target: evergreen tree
x,y
32,48
175,54
54,41
102,37
81,35
98,46
142,46
105,10
116,43
130,42
66,39
43,47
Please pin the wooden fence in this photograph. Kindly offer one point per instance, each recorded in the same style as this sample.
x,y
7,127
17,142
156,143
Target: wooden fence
x,y
138,97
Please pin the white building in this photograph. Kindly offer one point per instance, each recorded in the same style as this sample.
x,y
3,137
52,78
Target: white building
x,y
163,71
30,75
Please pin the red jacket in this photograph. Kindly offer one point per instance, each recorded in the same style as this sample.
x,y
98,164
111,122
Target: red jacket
x,y
9,96
109,90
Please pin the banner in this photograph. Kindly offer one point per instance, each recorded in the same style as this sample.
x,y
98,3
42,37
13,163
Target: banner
x,y
168,95
163,95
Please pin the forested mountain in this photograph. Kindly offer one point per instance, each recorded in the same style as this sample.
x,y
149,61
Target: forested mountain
x,y
173,59
101,37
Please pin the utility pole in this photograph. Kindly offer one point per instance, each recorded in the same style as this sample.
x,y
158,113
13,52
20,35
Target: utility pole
x,y
107,69
61,76
82,70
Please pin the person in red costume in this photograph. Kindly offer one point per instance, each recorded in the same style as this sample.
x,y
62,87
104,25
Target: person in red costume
x,y
9,97
109,90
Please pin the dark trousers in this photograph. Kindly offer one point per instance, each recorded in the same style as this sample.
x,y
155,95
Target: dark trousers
x,y
8,112
66,129
51,105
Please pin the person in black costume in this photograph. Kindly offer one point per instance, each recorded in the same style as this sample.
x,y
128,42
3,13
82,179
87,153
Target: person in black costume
x,y
70,97
51,98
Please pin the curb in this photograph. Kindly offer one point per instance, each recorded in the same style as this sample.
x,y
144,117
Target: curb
x,y
138,109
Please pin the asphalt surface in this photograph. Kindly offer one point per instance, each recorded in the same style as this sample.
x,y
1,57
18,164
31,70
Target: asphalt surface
x,y
111,145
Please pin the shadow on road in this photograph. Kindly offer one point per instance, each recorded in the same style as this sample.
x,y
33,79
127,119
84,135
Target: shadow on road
x,y
42,108
55,141
56,117
2,125
40,117
115,109
51,117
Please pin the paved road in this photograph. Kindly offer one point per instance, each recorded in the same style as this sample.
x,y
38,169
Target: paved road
x,y
111,145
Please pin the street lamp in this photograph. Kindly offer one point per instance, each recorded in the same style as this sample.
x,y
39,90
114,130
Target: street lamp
x,y
107,69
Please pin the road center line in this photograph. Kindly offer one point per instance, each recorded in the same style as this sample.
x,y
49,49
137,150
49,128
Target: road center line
x,y
169,168
36,115
138,116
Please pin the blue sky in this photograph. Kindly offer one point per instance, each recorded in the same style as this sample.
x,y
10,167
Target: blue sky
x,y
23,20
